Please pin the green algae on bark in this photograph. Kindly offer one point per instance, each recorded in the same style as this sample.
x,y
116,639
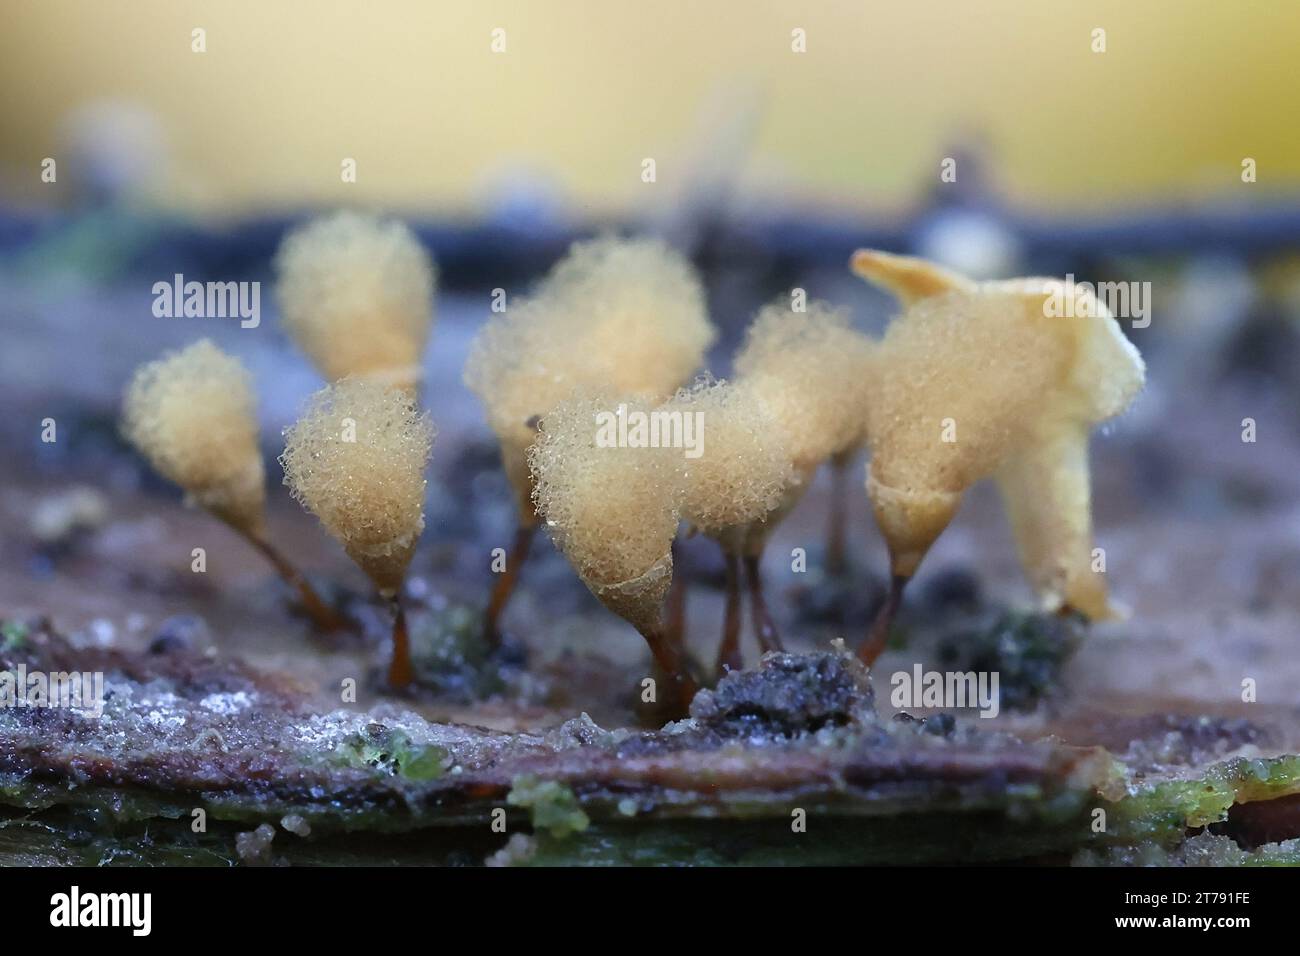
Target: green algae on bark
x,y
551,806
1164,809
393,751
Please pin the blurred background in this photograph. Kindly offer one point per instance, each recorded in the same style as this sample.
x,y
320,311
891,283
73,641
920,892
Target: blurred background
x,y
1162,149
440,124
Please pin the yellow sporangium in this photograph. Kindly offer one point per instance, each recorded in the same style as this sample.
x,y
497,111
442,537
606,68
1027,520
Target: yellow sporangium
x,y
356,295
193,415
356,460
623,315
979,380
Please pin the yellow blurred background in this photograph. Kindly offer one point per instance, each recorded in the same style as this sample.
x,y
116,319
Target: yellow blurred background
x,y
586,89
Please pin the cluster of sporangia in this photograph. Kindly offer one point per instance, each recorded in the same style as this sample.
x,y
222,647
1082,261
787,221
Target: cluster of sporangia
x,y
356,294
973,380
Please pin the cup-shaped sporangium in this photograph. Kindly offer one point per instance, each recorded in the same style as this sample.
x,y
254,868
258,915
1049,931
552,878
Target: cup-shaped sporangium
x,y
193,415
978,380
356,294
356,459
